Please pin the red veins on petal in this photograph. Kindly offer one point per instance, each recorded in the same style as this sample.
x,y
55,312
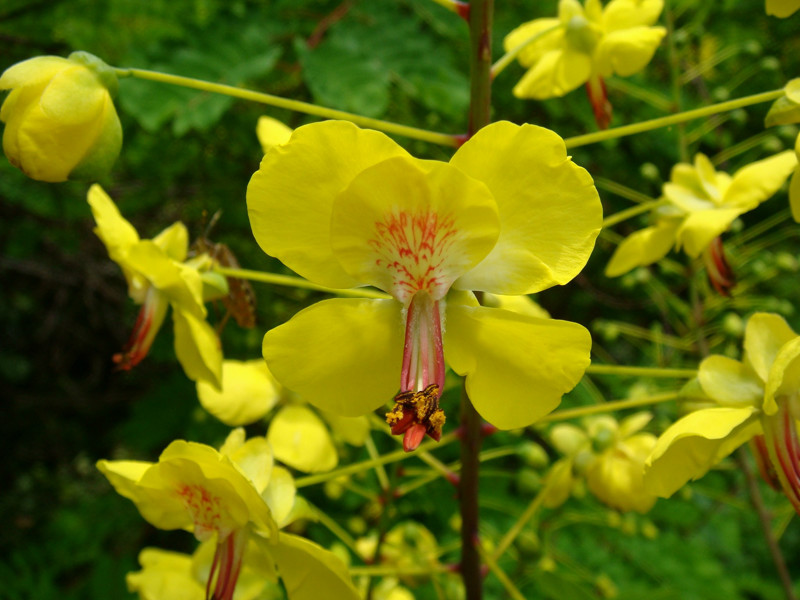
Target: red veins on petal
x,y
413,247
203,507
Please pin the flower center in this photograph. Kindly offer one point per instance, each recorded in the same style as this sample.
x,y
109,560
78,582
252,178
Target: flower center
x,y
204,509
413,247
416,411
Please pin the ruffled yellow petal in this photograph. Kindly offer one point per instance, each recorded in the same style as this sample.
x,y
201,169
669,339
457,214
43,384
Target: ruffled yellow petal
x,y
699,228
300,439
557,72
782,8
197,347
290,197
33,71
695,443
310,572
550,213
342,355
248,392
405,226
627,51
625,14
534,51
730,382
271,133
643,247
758,181
764,336
516,367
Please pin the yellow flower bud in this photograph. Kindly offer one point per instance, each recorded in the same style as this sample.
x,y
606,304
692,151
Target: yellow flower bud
x,y
60,118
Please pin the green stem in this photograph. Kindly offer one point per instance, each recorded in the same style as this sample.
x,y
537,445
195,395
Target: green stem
x,y
675,73
368,464
689,115
397,571
500,574
443,139
621,190
632,212
509,56
297,282
613,405
641,371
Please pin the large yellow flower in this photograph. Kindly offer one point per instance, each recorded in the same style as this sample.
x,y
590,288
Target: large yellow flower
x,y
759,395
159,278
236,499
585,44
700,203
60,118
510,214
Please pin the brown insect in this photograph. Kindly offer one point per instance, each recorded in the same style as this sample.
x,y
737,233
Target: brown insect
x,y
240,302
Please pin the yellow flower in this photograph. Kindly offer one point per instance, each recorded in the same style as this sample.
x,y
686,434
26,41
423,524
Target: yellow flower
x,y
236,499
60,118
299,437
585,44
158,278
510,214
759,395
700,204
782,8
611,457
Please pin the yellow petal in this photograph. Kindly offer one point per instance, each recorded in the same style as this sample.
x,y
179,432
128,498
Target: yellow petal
x,y
627,51
74,95
300,439
310,572
643,247
556,73
784,375
516,367
33,71
113,229
534,51
782,8
290,197
524,305
165,575
353,430
699,228
342,355
550,213
730,382
174,241
764,335
633,424
254,460
404,226
280,495
197,347
248,392
624,14
758,181
271,133
695,443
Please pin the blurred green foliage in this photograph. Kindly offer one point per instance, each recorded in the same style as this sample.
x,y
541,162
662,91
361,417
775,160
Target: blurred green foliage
x,y
64,309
